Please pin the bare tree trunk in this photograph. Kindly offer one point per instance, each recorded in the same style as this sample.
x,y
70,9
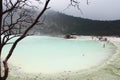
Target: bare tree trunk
x,y
7,36
0,64
12,7
0,35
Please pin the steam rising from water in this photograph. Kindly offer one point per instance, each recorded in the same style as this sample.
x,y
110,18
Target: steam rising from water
x,y
43,54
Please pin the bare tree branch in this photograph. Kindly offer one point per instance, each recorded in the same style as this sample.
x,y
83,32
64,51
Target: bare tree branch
x,y
10,24
74,3
15,5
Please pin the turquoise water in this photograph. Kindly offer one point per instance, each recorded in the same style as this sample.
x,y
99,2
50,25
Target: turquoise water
x,y
43,54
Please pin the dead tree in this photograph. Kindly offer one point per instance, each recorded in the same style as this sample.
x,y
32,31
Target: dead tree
x,y
14,16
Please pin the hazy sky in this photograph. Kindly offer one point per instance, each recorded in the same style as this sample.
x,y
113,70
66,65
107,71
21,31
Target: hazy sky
x,y
97,9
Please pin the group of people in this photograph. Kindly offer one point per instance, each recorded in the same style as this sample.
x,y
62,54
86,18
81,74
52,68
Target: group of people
x,y
69,36
100,38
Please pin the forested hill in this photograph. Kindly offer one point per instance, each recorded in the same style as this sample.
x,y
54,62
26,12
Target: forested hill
x,y
57,23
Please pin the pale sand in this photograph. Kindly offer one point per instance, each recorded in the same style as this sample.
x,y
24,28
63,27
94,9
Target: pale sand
x,y
109,70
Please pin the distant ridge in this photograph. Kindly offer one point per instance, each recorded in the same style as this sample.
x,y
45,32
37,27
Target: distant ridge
x,y
57,23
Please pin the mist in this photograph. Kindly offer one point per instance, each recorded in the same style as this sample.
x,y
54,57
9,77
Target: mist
x,y
95,9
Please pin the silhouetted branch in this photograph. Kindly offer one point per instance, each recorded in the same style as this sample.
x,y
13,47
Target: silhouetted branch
x,y
74,3
17,4
10,24
24,34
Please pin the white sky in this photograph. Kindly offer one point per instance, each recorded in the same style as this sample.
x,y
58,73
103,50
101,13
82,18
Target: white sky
x,y
97,9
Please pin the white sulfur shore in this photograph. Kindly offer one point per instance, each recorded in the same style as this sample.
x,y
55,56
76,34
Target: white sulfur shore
x,y
109,70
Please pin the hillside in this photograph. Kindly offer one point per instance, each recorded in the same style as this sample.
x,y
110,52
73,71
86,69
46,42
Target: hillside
x,y
58,23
